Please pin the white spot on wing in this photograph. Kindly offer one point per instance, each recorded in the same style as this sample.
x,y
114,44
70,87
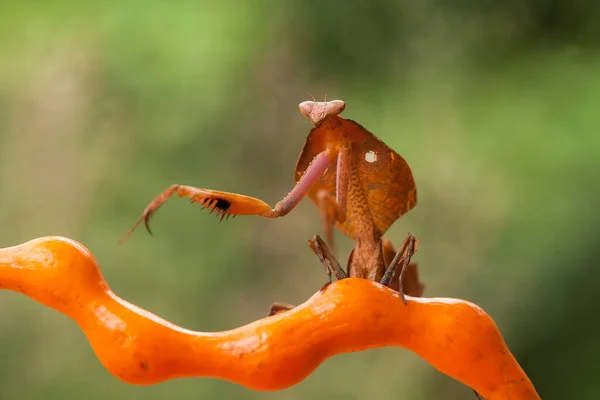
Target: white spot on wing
x,y
370,156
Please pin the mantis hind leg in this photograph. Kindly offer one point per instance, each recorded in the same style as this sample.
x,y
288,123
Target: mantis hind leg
x,y
331,264
332,267
402,275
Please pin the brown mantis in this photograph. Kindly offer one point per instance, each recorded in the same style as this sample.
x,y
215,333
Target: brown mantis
x,y
359,184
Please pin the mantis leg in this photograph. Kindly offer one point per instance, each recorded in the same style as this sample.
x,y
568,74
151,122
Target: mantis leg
x,y
333,209
411,284
342,179
226,204
329,209
403,256
278,308
315,170
332,266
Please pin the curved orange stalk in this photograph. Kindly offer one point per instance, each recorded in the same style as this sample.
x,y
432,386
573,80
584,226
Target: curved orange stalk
x,y
455,336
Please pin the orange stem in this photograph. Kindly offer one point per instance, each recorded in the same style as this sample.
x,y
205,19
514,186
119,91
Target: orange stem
x,y
455,336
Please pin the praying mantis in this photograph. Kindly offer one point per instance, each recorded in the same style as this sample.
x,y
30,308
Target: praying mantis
x,y
360,186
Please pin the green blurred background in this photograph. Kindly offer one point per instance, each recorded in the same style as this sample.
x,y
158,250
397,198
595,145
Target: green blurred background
x,y
103,104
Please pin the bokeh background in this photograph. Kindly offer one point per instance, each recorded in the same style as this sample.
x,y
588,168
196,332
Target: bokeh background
x,y
103,104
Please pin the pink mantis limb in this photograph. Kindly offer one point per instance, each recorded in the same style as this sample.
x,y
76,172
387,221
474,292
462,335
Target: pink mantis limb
x,y
315,170
343,172
226,204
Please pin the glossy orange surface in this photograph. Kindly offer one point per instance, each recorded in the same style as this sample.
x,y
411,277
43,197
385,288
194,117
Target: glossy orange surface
x,y
455,336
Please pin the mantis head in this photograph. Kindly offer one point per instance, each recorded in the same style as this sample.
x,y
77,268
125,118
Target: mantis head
x,y
318,111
